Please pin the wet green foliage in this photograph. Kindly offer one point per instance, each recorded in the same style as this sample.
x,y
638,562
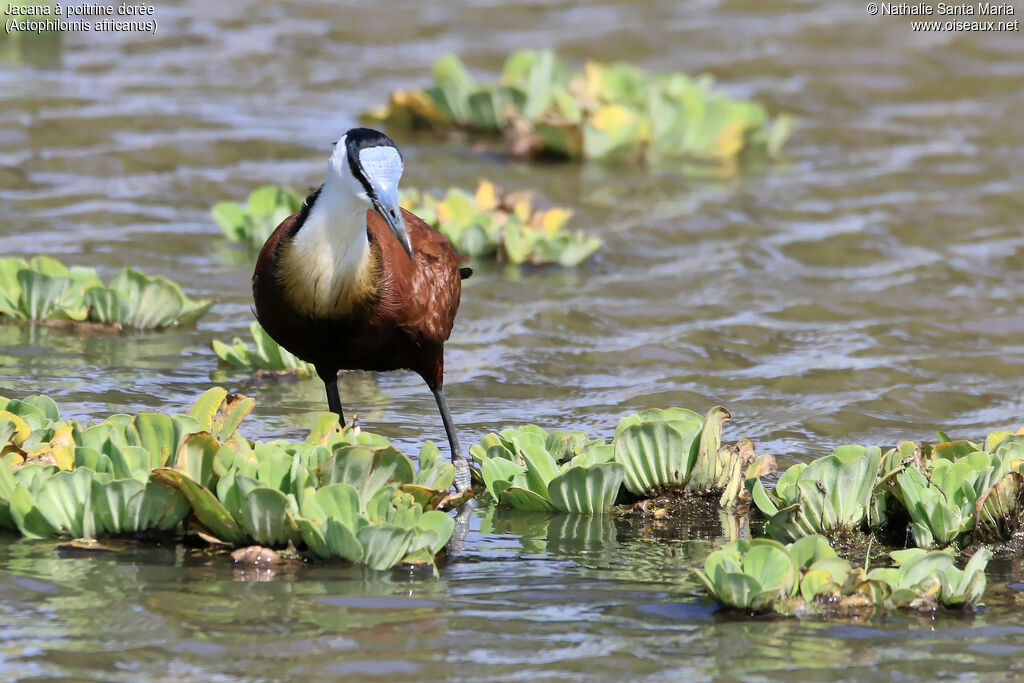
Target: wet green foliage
x,y
265,355
955,492
607,111
45,290
529,468
252,223
653,452
485,224
504,226
808,576
58,478
677,449
830,494
339,493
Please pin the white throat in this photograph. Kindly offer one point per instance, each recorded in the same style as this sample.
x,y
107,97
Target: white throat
x,y
325,271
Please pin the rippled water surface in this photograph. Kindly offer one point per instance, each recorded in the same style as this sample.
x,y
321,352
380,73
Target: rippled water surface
x,y
868,288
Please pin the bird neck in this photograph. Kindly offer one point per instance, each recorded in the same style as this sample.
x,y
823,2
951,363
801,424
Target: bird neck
x,y
328,269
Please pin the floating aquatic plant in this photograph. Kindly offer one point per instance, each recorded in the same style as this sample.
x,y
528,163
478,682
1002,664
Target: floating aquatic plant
x,y
678,450
808,576
949,498
653,452
265,356
45,290
488,223
607,111
253,223
338,494
41,501
491,223
829,495
347,501
752,575
529,468
59,479
923,578
948,493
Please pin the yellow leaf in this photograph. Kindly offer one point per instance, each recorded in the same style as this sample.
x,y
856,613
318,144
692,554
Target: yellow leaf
x,y
11,456
592,75
444,214
486,196
64,457
521,203
63,437
423,105
729,142
612,116
555,219
21,428
416,104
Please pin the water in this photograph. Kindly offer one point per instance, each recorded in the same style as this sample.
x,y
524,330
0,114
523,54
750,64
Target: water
x,y
866,289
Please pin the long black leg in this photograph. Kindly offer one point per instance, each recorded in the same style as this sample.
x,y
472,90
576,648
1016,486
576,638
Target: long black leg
x,y
334,399
462,477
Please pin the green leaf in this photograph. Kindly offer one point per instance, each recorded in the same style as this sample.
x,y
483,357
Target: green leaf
x,y
587,490
337,501
265,517
208,510
435,472
343,542
27,516
384,545
230,218
524,499
436,529
495,470
41,295
157,434
368,470
315,539
116,511
65,501
196,457
654,454
204,409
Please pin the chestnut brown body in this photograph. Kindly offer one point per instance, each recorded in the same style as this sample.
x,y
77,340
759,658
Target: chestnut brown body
x,y
399,319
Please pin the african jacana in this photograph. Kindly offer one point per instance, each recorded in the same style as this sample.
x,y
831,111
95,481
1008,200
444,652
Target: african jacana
x,y
346,287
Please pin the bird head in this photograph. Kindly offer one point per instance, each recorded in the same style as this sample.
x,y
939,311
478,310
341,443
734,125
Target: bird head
x,y
372,165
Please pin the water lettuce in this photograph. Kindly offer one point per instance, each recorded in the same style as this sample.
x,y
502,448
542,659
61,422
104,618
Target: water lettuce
x,y
266,208
339,493
529,468
831,494
45,290
266,355
607,111
505,226
809,576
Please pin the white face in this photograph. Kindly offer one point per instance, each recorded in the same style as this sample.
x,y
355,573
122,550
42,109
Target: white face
x,y
381,165
338,166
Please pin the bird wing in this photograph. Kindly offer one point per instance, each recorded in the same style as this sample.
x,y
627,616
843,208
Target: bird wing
x,y
424,291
